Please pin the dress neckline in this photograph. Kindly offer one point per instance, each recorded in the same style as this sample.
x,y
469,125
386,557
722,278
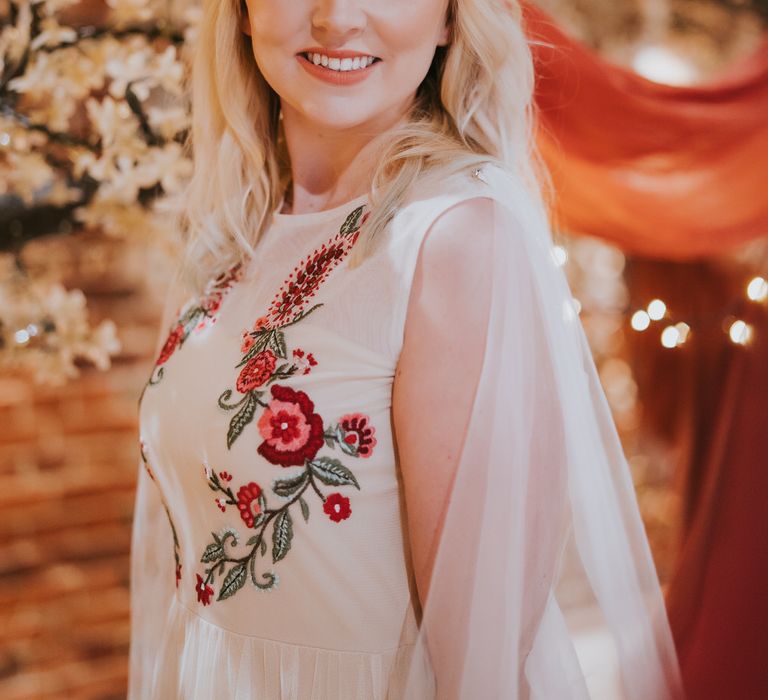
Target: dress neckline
x,y
315,217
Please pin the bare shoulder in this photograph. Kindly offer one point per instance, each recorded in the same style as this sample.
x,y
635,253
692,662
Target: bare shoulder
x,y
459,237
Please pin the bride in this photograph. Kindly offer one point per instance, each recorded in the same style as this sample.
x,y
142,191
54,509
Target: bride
x,y
377,370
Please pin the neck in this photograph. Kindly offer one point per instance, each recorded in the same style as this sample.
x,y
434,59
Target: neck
x,y
331,166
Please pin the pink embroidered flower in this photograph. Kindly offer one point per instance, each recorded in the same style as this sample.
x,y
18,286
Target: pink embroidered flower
x,y
178,574
359,433
304,362
248,342
337,507
262,323
248,502
256,371
204,591
292,431
173,341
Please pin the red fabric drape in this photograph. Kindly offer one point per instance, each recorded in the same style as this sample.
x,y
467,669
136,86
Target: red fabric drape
x,y
661,171
676,174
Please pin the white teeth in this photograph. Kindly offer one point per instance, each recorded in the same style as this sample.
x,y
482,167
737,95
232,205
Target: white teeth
x,y
340,64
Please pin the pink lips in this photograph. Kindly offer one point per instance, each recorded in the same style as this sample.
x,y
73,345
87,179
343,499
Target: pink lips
x,y
335,77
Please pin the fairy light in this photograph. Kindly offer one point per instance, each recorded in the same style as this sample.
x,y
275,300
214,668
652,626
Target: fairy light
x,y
684,331
21,336
670,337
640,320
757,289
740,332
657,309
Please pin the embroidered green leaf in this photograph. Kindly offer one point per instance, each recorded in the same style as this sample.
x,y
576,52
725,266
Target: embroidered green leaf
x,y
346,448
328,441
304,509
233,582
213,552
262,340
252,541
259,519
263,547
332,472
276,343
352,222
282,534
262,506
241,419
286,487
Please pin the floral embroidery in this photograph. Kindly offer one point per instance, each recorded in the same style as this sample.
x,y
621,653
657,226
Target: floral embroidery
x,y
203,590
195,317
356,435
176,547
265,358
292,433
256,514
337,507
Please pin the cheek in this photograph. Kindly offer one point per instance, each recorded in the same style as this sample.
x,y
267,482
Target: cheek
x,y
273,28
409,30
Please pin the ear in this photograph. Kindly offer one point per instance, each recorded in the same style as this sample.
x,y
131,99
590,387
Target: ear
x,y
245,20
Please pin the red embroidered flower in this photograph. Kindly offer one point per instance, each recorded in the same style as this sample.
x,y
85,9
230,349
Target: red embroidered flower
x,y
359,433
204,591
212,303
337,507
248,342
248,502
305,363
292,431
178,574
256,371
225,476
261,323
172,342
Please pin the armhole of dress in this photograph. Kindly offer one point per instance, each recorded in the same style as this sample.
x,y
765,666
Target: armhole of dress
x,y
412,240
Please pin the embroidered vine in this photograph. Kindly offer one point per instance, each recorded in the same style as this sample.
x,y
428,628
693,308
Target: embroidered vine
x,y
194,317
176,547
292,434
352,433
265,357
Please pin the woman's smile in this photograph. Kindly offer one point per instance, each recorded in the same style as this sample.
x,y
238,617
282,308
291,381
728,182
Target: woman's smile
x,y
337,67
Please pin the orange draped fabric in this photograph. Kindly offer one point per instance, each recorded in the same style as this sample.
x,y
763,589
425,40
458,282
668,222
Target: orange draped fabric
x,y
660,171
677,174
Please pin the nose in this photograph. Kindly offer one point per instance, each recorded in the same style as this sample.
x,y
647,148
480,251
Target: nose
x,y
336,21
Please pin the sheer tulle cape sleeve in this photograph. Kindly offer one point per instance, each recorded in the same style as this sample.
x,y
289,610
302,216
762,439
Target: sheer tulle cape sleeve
x,y
541,518
152,575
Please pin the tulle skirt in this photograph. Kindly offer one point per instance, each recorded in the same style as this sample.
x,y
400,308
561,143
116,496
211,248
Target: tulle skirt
x,y
198,660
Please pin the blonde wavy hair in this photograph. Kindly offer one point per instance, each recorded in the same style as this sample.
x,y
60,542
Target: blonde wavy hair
x,y
474,106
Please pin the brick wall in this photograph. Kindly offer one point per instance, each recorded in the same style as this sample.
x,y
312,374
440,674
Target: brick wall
x,y
68,460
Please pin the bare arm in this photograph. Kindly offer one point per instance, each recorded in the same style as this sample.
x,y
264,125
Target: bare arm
x,y
434,397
